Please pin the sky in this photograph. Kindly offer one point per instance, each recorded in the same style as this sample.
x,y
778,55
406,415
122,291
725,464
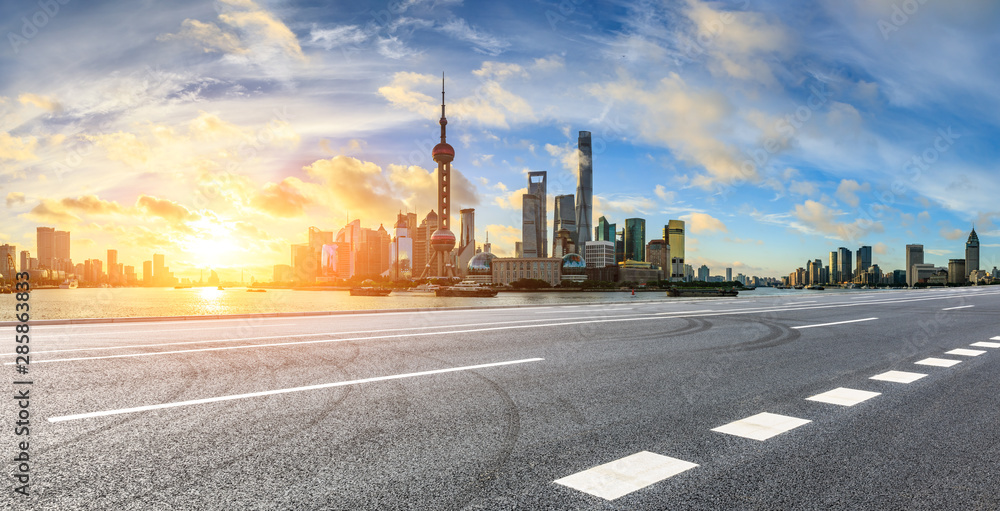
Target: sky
x,y
217,133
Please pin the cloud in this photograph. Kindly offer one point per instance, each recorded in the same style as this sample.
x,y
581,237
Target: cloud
x,y
507,235
123,147
91,204
482,42
847,191
17,148
550,63
492,105
739,44
512,200
165,209
15,198
924,216
49,211
685,119
699,223
807,188
208,35
952,234
285,199
822,219
499,71
663,194
43,102
338,36
880,248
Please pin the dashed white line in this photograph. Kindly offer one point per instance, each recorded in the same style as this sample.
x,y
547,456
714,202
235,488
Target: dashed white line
x,y
898,376
959,307
843,396
984,344
835,323
626,475
283,391
937,362
964,352
761,426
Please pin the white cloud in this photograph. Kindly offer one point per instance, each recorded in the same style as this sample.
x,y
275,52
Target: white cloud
x,y
848,189
481,41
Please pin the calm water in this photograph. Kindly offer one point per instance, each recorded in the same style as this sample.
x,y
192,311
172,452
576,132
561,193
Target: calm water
x,y
141,302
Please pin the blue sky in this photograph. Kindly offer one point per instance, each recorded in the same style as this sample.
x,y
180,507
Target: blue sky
x,y
778,130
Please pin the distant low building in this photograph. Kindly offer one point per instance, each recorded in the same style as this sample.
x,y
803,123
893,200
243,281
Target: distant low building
x,y
511,269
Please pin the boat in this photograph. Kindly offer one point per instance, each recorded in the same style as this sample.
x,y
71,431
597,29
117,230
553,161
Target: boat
x,y
69,284
370,291
467,288
700,292
256,290
427,289
181,287
799,286
816,287
220,288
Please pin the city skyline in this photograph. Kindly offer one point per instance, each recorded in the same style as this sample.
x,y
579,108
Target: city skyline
x,y
221,132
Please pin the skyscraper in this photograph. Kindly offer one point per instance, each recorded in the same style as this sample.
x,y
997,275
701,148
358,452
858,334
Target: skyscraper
x,y
564,217
971,254
844,258
864,259
467,240
401,251
635,239
658,253
25,261
834,268
147,272
584,189
534,217
61,251
113,276
914,256
8,262
674,234
443,240
604,231
45,246
729,274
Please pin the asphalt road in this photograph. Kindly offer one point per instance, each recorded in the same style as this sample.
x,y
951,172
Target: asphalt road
x,y
487,409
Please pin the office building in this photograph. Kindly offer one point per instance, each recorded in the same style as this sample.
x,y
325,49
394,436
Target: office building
x,y
599,254
511,269
658,253
534,224
703,273
834,268
584,189
421,244
635,239
971,254
564,216
147,273
914,256
604,231
864,259
401,251
956,271
25,261
8,262
45,246
113,276
729,274
620,246
673,232
846,271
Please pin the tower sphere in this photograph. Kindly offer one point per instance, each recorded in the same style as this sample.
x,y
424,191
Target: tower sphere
x,y
443,153
443,240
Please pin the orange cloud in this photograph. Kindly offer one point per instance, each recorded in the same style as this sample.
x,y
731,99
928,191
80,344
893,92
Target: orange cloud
x,y
284,199
165,209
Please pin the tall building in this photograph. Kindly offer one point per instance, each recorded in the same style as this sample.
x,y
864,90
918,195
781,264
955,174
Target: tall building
x,y
442,241
844,259
113,276
674,234
658,253
864,260
584,189
534,223
635,239
564,217
63,260
421,244
25,261
8,262
834,268
599,254
703,273
956,271
401,251
604,231
914,256
971,254
467,240
620,246
159,270
530,228
45,246
147,272
729,274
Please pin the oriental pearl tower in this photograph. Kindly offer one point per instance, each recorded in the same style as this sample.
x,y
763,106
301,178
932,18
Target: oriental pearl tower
x,y
443,240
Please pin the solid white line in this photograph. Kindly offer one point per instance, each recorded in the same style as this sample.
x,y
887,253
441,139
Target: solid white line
x,y
626,475
284,391
143,332
836,323
959,307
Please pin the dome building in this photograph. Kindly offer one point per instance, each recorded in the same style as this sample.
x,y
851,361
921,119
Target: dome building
x,y
480,268
574,268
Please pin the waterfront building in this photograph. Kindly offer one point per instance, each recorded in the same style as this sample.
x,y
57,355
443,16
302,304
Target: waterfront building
x,y
658,253
563,218
914,256
674,234
971,254
864,258
511,269
635,239
599,254
834,268
534,216
584,189
956,271
846,271
604,231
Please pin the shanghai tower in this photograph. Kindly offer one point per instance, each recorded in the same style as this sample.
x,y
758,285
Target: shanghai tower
x,y
584,192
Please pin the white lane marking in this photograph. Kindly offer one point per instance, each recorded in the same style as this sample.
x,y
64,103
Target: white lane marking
x,y
843,396
984,344
683,312
143,332
762,426
285,391
959,307
997,338
937,362
898,376
588,311
809,301
626,475
835,323
964,352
